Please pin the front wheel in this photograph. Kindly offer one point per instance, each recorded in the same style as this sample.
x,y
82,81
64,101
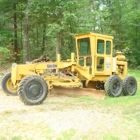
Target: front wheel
x,y
33,90
129,86
7,85
113,86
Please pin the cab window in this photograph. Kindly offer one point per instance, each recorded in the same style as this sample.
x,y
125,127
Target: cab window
x,y
84,46
108,47
100,46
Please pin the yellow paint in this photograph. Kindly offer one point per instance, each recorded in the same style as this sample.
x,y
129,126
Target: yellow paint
x,y
93,62
10,86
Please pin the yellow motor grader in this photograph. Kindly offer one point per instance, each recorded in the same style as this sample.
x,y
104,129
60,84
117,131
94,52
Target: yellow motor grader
x,y
93,67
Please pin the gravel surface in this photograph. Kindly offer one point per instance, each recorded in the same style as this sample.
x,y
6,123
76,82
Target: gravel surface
x,y
58,117
58,113
62,116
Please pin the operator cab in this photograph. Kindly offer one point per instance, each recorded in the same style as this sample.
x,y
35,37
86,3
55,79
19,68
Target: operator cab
x,y
94,51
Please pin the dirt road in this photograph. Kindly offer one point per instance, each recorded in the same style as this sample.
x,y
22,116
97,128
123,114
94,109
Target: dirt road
x,y
58,114
61,118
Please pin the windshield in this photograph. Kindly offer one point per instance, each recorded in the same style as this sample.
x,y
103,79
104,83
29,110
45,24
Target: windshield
x,y
84,46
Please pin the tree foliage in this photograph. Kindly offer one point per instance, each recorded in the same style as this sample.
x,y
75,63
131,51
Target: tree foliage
x,y
52,24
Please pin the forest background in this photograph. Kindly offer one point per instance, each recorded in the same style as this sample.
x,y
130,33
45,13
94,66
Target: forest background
x,y
37,27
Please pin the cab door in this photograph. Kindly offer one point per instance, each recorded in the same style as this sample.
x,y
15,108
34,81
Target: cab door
x,y
84,52
103,56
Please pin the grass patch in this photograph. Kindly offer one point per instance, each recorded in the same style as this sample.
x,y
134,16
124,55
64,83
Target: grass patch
x,y
111,137
3,137
125,101
67,135
16,138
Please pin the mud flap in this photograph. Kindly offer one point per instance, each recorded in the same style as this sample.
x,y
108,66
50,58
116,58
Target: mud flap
x,y
77,92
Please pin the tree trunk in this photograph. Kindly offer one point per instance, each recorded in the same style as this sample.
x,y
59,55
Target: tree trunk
x,y
26,40
21,42
136,35
58,42
44,38
15,41
37,37
136,27
34,38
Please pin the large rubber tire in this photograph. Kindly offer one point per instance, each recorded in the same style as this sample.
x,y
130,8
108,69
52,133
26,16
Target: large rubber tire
x,y
32,90
113,86
129,86
7,85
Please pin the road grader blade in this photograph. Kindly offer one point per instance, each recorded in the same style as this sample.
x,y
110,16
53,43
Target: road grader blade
x,y
77,92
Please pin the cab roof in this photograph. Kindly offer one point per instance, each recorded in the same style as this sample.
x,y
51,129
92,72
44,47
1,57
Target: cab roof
x,y
93,34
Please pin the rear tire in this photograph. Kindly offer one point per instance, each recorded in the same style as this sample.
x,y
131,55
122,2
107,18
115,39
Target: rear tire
x,y
33,90
7,85
129,86
113,86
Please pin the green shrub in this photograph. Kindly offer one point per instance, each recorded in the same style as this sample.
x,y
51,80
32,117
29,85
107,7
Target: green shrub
x,y
132,57
5,54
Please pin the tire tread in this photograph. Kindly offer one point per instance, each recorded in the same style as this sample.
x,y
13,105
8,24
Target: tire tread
x,y
21,89
125,92
3,85
107,86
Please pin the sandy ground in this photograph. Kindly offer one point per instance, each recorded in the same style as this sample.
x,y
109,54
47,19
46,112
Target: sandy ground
x,y
60,118
59,114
